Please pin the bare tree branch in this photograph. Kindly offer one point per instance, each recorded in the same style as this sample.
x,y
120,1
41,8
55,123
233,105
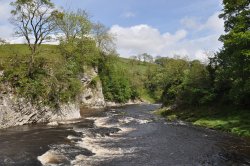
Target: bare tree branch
x,y
104,40
34,20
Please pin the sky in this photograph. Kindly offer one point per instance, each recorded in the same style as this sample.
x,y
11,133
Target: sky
x,y
166,28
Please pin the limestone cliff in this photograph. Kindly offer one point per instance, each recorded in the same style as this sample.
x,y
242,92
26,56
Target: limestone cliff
x,y
16,111
92,95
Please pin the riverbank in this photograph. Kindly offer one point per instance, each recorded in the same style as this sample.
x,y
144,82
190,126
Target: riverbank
x,y
224,118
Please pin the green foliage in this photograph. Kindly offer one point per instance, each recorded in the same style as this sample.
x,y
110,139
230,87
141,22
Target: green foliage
x,y
226,118
52,81
153,81
80,52
185,83
196,86
226,78
76,47
140,77
74,25
232,63
116,86
173,70
94,81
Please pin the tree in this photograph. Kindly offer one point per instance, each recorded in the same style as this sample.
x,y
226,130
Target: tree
x,y
74,24
195,88
139,57
233,60
76,44
2,41
34,20
115,80
147,58
104,39
174,71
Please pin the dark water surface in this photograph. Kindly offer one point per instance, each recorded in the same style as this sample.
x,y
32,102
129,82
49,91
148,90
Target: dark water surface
x,y
129,135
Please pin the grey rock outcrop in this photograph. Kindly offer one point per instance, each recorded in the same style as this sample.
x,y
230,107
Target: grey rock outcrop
x,y
1,73
15,111
92,95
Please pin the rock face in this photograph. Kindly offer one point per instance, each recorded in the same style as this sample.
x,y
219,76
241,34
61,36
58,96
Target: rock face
x,y
92,95
16,111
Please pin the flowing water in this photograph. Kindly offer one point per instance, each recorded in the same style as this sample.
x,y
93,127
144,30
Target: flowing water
x,y
129,135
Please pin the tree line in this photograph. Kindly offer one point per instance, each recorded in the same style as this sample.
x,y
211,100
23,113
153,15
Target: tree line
x,y
226,77
224,80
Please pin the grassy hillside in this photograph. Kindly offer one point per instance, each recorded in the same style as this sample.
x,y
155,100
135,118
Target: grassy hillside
x,y
19,52
53,67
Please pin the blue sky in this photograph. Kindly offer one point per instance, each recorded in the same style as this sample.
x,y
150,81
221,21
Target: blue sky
x,y
159,27
161,14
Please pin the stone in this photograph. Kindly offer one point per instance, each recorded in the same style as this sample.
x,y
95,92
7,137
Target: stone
x,y
1,73
53,124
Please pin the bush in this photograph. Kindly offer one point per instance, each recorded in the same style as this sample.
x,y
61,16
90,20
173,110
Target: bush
x,y
116,86
49,83
189,86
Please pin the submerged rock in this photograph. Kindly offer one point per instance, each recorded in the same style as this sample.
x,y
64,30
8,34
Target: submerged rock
x,y
52,157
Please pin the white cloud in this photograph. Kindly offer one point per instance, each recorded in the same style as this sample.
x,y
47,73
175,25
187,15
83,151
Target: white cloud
x,y
201,55
213,23
128,14
144,38
17,40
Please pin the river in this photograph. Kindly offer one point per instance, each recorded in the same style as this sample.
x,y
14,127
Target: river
x,y
128,135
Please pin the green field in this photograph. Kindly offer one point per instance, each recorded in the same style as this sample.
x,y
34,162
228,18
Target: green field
x,y
49,53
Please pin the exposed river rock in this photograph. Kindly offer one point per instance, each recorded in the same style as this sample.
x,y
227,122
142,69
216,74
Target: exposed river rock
x,y
15,111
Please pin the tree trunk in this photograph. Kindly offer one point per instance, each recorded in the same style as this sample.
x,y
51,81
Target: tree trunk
x,y
31,61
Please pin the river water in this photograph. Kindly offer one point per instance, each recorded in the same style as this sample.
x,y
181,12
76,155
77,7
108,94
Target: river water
x,y
129,135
